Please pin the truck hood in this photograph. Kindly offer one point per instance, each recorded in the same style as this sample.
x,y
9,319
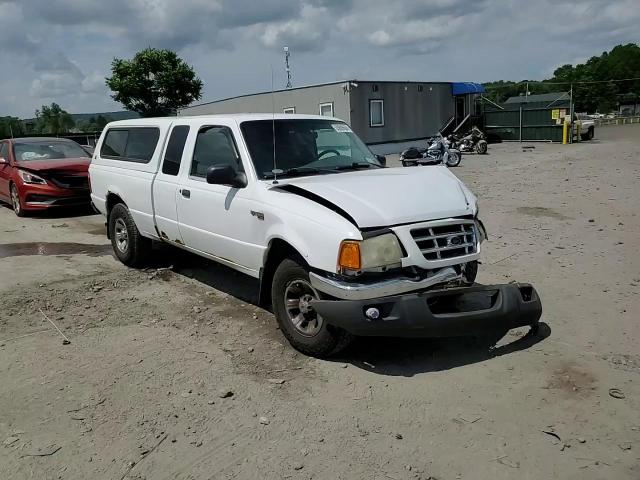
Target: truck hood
x,y
388,196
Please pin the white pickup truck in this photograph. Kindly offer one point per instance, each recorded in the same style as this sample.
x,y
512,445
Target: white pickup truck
x,y
341,244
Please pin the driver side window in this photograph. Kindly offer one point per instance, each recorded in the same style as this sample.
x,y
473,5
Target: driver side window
x,y
214,146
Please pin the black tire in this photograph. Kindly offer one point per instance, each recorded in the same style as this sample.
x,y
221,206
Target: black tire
x,y
15,201
471,272
326,340
135,249
481,147
454,158
587,136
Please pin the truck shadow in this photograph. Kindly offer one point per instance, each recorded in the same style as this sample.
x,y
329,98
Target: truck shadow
x,y
208,272
408,357
383,356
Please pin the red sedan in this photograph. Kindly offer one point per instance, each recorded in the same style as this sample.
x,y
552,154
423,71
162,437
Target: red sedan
x,y
41,173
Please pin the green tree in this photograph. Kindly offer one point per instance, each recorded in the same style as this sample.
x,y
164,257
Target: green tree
x,y
597,84
53,119
154,83
11,127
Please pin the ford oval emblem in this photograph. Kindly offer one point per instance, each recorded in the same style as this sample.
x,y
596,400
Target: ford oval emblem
x,y
455,240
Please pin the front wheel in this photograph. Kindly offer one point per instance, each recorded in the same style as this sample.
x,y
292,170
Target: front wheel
x,y
292,296
454,158
16,203
481,147
130,247
588,135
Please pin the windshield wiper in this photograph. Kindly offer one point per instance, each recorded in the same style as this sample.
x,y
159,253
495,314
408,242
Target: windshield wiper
x,y
356,166
289,172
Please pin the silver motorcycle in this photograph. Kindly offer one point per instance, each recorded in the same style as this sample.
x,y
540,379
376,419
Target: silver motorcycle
x,y
438,151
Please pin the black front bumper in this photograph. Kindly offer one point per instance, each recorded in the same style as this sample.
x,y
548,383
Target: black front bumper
x,y
437,313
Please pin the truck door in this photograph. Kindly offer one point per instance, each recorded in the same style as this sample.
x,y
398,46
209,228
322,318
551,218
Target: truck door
x,y
218,219
166,185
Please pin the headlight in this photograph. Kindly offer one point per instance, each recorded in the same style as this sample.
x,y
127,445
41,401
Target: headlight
x,y
376,252
31,178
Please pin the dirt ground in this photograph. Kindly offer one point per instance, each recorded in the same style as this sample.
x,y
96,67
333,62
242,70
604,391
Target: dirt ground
x,y
176,374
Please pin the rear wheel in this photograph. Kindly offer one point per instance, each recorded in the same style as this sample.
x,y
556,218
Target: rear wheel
x,y
16,203
292,295
481,147
130,247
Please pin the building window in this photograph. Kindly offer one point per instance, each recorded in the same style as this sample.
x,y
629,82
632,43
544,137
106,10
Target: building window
x,y
376,113
374,88
326,109
289,110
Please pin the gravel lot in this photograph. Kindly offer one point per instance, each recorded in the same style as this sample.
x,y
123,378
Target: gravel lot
x,y
177,374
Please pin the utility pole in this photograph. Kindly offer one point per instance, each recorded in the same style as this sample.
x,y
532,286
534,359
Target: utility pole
x,y
571,114
287,54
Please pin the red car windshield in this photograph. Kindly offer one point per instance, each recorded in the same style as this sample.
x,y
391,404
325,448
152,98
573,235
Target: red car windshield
x,y
47,150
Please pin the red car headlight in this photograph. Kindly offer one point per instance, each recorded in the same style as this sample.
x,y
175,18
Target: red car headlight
x,y
28,177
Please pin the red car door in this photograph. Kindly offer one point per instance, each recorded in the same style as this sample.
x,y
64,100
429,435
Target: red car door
x,y
5,170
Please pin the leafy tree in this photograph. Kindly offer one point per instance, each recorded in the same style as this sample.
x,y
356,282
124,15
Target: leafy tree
x,y
154,83
53,119
11,126
606,74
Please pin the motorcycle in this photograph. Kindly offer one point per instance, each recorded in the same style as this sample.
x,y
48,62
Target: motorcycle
x,y
438,151
473,140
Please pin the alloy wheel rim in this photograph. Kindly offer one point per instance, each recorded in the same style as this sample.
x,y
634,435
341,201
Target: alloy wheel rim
x,y
298,297
15,199
121,235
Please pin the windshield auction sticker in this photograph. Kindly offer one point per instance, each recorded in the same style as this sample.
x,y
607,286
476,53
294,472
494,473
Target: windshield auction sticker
x,y
341,127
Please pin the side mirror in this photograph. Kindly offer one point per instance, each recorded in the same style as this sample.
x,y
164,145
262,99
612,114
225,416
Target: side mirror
x,y
382,159
226,175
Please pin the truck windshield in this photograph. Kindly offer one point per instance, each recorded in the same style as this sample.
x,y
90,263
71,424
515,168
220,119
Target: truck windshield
x,y
305,147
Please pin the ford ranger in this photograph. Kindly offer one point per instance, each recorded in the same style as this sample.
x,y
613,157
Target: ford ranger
x,y
342,245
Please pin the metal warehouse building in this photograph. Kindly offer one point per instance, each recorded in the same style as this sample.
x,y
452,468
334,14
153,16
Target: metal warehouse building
x,y
386,115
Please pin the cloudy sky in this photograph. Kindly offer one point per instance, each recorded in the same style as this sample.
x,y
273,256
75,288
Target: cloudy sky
x,y
61,50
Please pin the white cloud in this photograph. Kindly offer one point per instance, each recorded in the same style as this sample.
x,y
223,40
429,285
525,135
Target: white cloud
x,y
62,49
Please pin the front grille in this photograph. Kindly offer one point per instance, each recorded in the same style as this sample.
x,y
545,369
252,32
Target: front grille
x,y
70,181
444,242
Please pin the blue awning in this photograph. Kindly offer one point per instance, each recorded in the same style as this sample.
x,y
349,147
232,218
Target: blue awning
x,y
463,88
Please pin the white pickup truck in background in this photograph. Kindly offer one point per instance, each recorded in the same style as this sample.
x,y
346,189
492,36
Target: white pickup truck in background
x,y
584,126
342,245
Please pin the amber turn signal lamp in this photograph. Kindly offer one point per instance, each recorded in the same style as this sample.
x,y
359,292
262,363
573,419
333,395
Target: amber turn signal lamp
x,y
349,256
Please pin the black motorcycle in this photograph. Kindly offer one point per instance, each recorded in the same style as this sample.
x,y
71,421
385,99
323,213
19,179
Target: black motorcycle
x,y
474,140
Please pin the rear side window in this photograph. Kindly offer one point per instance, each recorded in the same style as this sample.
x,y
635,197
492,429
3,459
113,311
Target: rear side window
x,y
175,147
130,144
214,146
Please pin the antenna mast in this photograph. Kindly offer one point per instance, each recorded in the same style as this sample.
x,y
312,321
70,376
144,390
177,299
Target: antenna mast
x,y
287,54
